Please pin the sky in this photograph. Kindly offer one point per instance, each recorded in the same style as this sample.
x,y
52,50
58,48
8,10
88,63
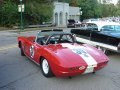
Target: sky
x,y
114,1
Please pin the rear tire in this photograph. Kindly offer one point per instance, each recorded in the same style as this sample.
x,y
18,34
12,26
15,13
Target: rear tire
x,y
93,72
21,50
45,68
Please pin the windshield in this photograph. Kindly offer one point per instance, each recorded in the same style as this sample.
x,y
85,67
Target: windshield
x,y
111,28
47,33
89,26
43,36
60,38
92,26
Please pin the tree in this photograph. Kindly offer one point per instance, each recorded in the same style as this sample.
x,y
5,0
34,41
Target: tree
x,y
1,2
90,9
117,13
9,15
36,11
108,10
73,3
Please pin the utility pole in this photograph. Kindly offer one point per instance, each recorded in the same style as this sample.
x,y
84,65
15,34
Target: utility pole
x,y
21,15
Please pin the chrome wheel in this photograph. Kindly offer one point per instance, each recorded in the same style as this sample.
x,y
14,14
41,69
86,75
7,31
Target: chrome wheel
x,y
45,66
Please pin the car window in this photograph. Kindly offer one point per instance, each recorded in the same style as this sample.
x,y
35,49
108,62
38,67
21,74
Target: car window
x,y
83,26
66,39
117,27
53,39
108,28
92,26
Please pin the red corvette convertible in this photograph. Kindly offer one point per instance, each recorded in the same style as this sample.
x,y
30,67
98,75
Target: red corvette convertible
x,y
58,54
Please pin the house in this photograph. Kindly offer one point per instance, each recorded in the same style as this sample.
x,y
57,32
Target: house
x,y
63,12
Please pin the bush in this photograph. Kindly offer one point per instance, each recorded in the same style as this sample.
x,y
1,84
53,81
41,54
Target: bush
x,y
9,14
35,13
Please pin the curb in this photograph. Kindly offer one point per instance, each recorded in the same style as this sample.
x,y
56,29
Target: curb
x,y
28,29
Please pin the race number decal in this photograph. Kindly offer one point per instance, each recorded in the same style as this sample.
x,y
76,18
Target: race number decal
x,y
80,52
32,51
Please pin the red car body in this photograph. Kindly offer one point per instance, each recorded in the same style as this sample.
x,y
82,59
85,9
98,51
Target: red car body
x,y
65,59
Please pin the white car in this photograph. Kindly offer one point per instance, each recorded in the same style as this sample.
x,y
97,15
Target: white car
x,y
78,23
104,35
99,25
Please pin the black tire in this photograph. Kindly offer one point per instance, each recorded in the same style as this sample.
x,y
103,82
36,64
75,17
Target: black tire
x,y
93,72
46,73
22,52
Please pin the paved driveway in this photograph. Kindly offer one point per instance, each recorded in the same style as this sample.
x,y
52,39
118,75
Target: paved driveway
x,y
19,73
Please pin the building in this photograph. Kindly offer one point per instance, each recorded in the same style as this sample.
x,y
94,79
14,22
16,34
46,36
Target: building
x,y
63,12
74,13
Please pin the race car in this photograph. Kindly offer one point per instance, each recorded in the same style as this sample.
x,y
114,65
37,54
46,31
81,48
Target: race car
x,y
57,53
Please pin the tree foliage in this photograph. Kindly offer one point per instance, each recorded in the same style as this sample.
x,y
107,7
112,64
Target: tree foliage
x,y
94,9
74,3
108,10
36,11
8,14
90,9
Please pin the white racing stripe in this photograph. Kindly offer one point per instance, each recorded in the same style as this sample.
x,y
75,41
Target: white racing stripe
x,y
91,62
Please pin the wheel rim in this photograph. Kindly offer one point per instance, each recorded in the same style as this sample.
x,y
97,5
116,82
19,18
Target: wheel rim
x,y
45,66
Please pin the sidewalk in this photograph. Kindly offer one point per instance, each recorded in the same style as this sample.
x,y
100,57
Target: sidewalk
x,y
26,29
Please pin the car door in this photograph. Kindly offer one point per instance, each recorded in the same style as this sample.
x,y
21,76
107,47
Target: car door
x,y
27,47
35,51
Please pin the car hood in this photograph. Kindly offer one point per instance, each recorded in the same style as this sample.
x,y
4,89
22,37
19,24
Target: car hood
x,y
113,34
76,55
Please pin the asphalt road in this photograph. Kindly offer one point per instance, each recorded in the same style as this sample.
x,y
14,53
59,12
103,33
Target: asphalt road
x,y
19,73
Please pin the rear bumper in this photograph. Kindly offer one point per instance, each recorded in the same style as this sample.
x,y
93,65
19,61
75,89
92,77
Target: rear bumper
x,y
67,72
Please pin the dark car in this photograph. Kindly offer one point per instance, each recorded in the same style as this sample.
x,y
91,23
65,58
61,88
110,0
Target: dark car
x,y
105,36
71,23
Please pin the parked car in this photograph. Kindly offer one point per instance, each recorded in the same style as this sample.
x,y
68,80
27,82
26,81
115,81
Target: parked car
x,y
104,35
58,54
73,24
92,19
99,25
77,23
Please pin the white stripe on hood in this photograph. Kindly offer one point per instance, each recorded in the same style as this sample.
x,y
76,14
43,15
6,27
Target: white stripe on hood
x,y
91,62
